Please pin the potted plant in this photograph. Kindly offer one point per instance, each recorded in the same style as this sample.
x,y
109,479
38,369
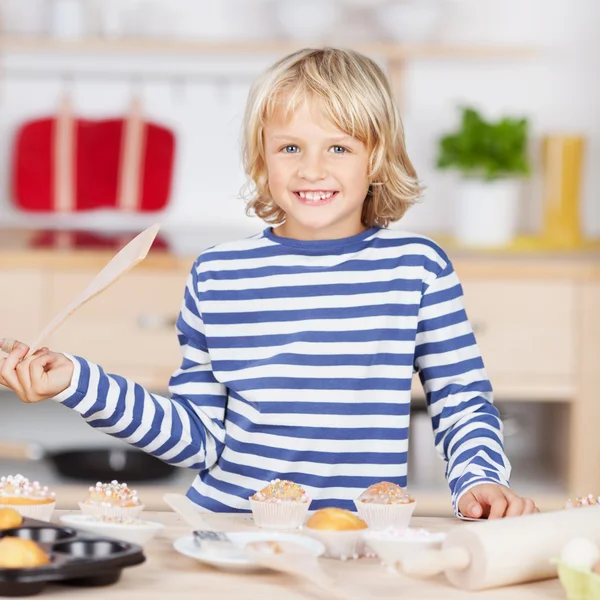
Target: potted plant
x,y
491,158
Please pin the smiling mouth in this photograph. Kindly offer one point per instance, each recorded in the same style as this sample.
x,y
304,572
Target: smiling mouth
x,y
316,198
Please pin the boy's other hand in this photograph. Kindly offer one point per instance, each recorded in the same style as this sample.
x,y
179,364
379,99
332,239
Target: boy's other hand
x,y
40,376
494,501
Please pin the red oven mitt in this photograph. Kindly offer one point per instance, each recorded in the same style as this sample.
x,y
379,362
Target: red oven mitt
x,y
66,164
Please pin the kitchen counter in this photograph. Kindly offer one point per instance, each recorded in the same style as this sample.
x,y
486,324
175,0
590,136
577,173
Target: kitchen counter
x,y
169,574
176,250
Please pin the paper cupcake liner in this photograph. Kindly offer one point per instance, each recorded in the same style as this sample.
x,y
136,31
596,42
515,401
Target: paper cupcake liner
x,y
281,515
342,545
43,512
131,512
382,516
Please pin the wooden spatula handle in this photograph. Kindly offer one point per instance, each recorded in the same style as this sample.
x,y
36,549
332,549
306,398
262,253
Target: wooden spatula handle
x,y
434,562
186,509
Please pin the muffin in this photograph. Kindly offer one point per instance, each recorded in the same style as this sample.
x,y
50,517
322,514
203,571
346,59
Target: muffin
x,y
28,499
339,530
112,499
282,504
16,553
9,519
384,505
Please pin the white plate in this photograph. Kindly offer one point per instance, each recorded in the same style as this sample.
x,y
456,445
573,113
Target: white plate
x,y
188,547
139,533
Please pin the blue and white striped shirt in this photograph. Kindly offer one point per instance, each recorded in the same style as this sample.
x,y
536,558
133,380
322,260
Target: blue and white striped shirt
x,y
298,359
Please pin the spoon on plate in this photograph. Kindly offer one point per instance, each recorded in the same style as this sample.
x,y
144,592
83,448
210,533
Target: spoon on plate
x,y
205,536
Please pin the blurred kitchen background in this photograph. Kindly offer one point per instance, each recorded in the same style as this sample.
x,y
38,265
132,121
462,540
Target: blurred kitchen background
x,y
115,114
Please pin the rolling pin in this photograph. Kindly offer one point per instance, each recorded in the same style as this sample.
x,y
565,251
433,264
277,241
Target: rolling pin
x,y
507,551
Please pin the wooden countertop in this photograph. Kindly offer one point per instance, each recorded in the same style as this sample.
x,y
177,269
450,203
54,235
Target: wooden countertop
x,y
169,574
526,260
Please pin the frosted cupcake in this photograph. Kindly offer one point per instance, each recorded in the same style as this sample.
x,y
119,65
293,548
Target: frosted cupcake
x,y
282,504
112,499
339,530
27,498
384,505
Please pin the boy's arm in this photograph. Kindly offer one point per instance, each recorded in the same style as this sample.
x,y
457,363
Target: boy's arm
x,y
466,425
187,429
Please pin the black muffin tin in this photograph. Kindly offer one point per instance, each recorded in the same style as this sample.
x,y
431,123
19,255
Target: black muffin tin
x,y
77,558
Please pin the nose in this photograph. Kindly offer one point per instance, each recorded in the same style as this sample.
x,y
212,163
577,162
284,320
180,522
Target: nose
x,y
312,168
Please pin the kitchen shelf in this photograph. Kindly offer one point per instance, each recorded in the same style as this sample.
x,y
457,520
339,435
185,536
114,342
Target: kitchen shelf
x,y
390,51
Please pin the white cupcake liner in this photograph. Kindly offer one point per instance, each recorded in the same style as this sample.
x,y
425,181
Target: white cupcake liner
x,y
131,512
279,515
382,516
42,512
342,545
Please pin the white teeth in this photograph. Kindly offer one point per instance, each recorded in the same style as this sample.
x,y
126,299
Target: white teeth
x,y
315,195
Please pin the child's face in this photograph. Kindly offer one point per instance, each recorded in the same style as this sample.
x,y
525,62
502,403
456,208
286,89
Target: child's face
x,y
317,174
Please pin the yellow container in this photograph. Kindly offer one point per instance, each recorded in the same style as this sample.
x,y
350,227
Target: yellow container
x,y
562,161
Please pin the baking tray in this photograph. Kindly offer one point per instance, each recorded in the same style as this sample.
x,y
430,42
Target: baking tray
x,y
78,558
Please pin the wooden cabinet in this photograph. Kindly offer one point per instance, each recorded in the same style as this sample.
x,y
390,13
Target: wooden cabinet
x,y
23,303
129,329
526,331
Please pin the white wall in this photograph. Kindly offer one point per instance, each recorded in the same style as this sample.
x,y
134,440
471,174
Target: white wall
x,y
557,89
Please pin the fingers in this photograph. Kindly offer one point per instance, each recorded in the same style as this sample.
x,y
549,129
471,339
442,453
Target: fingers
x,y
14,369
8,370
6,345
498,507
37,372
24,373
516,507
530,507
470,507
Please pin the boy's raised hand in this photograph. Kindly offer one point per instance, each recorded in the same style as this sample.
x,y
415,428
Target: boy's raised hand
x,y
38,377
494,501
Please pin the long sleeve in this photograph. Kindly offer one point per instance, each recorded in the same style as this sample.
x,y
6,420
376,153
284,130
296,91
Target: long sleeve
x,y
466,424
187,429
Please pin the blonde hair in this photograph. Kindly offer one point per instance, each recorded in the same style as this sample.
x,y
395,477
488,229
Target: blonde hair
x,y
356,96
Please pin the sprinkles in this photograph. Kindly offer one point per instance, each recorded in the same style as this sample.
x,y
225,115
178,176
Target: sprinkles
x,y
112,494
589,500
17,486
385,492
281,490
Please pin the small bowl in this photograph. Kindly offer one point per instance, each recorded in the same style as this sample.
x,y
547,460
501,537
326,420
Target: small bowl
x,y
578,584
393,545
410,21
343,545
139,532
307,20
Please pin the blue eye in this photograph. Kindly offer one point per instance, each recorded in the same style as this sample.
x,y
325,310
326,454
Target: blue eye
x,y
291,149
339,149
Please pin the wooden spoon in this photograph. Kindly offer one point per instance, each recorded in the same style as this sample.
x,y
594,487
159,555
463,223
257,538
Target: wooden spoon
x,y
294,559
129,256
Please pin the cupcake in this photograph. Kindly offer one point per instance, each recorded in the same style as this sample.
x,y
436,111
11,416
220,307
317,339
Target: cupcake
x,y
28,499
112,499
384,505
339,530
282,504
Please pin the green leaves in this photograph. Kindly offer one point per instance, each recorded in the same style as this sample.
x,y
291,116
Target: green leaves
x,y
486,150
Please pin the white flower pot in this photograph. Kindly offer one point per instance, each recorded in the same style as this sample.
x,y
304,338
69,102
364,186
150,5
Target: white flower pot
x,y
487,212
